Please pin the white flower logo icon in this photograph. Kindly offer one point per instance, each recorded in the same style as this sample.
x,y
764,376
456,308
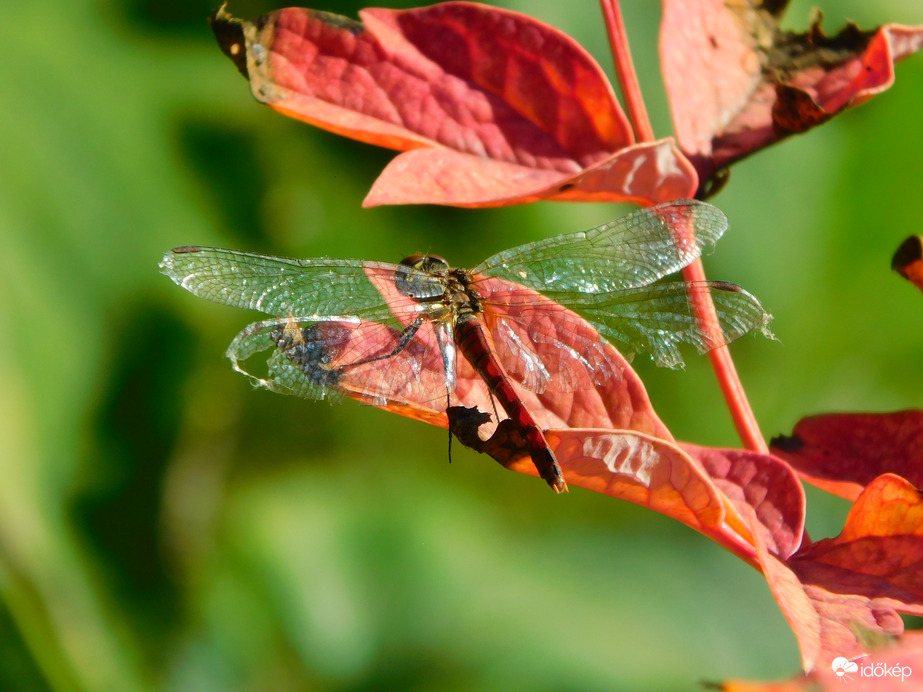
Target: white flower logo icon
x,y
841,666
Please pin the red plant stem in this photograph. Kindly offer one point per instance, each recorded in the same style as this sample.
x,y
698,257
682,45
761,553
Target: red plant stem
x,y
723,365
726,373
625,71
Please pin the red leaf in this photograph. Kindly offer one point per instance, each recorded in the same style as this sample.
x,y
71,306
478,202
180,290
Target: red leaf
x,y
828,621
737,83
497,108
880,550
842,453
645,470
715,492
842,596
908,260
890,506
643,173
762,485
641,469
794,602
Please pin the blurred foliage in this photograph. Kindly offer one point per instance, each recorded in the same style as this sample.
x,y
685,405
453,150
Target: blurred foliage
x,y
165,526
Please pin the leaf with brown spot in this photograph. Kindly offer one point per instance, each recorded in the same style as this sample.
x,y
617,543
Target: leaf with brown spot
x,y
841,453
737,83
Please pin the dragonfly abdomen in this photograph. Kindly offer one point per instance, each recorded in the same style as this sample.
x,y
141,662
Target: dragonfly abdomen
x,y
474,343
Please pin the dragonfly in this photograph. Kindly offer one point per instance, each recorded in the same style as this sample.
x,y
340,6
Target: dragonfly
x,y
394,335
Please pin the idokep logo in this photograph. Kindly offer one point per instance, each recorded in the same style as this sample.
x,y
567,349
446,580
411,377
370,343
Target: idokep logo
x,y
843,666
844,669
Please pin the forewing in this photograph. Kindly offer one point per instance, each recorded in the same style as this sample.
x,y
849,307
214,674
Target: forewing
x,y
324,359
630,252
281,286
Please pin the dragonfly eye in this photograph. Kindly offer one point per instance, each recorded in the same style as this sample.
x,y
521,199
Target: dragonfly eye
x,y
426,263
421,277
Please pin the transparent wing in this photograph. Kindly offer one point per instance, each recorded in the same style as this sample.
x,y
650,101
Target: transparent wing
x,y
281,286
328,359
630,252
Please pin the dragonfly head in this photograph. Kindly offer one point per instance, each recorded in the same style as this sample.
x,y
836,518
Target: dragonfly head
x,y
421,277
434,264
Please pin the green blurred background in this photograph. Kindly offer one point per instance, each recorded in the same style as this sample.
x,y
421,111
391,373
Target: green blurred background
x,y
165,526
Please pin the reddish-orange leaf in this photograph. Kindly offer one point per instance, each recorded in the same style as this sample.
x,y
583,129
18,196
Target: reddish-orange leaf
x,y
737,83
491,107
842,595
908,260
889,506
882,540
638,468
800,684
716,492
794,602
830,617
842,453
847,624
762,485
642,469
642,173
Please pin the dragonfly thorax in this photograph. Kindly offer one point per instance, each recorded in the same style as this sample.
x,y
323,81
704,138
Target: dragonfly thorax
x,y
430,279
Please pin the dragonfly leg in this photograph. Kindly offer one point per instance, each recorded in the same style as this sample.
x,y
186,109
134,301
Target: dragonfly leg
x,y
406,336
493,404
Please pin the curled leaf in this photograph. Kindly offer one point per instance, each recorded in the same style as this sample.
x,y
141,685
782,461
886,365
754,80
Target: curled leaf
x,y
882,541
827,620
638,468
737,83
724,494
642,173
